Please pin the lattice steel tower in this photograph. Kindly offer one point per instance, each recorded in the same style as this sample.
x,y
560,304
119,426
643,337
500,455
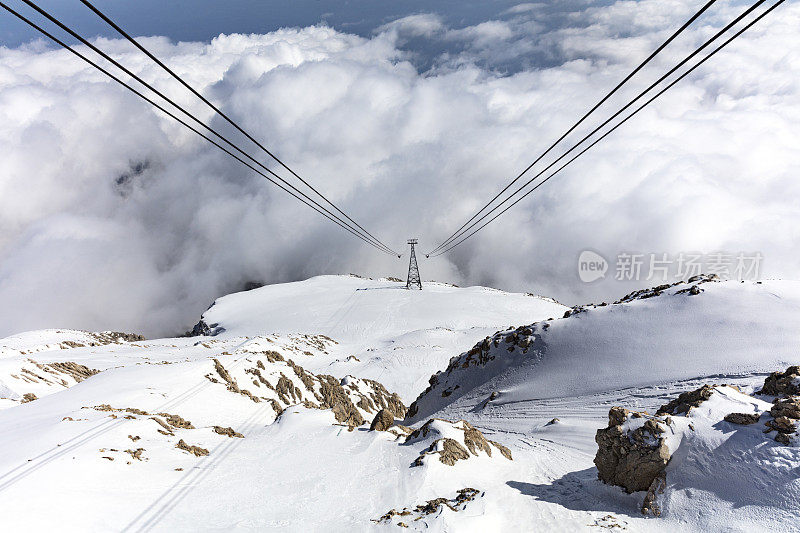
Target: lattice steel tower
x,y
414,281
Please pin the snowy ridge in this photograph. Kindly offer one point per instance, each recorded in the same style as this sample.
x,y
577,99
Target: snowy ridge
x,y
266,425
652,337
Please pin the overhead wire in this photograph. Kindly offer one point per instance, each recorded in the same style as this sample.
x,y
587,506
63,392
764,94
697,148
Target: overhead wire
x,y
580,121
662,91
230,121
179,120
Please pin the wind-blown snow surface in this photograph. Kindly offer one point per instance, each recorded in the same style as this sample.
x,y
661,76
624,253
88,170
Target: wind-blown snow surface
x,y
730,328
101,464
385,332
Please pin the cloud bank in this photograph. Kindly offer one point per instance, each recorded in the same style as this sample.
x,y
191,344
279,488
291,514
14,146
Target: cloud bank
x,y
114,217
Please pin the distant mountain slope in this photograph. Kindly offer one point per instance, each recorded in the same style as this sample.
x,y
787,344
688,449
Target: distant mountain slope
x,y
350,308
653,337
381,330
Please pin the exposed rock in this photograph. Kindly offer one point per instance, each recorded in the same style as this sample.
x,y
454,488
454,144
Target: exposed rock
x,y
503,450
742,419
651,505
687,400
176,421
449,452
657,291
228,432
201,329
788,407
195,450
386,400
786,413
459,503
452,446
630,459
382,421
523,339
166,429
474,440
782,383
76,371
136,454
116,337
287,392
28,397
335,398
231,382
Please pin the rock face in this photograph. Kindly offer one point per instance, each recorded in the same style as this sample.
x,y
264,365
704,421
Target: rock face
x,y
782,383
270,377
631,451
382,421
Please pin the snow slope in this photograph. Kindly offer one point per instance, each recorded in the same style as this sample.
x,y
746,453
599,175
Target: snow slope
x,y
124,448
730,328
396,336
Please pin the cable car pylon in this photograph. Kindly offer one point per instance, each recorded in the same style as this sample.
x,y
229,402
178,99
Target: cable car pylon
x,y
414,281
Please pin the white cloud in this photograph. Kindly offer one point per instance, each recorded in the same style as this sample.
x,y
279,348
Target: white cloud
x,y
114,217
418,25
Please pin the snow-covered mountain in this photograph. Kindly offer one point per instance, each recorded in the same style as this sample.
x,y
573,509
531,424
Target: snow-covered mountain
x,y
287,413
650,338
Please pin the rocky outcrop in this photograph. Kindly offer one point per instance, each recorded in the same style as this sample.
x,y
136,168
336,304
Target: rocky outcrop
x,y
687,400
489,355
451,442
742,419
64,374
28,397
382,421
652,292
782,383
194,450
74,370
785,419
634,451
201,329
281,382
459,503
631,450
227,431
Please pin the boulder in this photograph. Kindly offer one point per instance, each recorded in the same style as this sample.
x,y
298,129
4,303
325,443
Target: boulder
x,y
743,419
382,421
686,401
631,458
782,384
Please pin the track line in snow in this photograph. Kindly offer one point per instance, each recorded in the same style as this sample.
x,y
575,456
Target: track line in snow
x,y
90,434
193,478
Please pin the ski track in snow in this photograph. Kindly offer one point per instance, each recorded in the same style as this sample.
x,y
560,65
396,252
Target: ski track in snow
x,y
303,471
